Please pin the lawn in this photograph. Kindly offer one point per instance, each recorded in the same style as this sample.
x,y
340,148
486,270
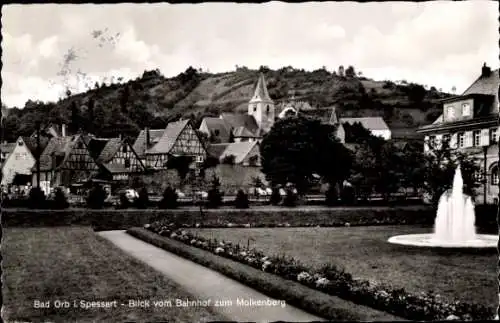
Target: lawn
x,y
73,264
364,252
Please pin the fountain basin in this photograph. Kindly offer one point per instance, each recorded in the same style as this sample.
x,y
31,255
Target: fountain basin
x,y
481,241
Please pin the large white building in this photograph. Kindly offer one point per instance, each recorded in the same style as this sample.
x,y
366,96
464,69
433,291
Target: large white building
x,y
470,123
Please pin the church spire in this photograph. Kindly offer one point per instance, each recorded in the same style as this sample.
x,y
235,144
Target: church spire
x,y
333,117
261,93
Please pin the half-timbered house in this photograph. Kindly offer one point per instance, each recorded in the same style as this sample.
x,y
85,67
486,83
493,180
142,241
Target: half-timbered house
x,y
66,161
179,138
119,160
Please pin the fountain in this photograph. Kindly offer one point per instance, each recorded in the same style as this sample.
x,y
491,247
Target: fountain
x,y
454,225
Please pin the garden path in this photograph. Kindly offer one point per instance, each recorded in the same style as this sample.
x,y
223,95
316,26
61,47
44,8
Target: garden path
x,y
206,284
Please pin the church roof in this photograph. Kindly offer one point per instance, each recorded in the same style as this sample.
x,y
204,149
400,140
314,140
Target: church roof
x,y
218,125
370,123
261,93
236,120
169,137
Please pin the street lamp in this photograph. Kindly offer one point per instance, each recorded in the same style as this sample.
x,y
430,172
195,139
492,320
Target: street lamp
x,y
485,173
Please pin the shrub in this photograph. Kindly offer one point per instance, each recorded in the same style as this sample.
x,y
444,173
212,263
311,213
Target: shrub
x,y
36,198
169,199
347,196
124,202
96,197
142,201
275,198
241,201
291,198
331,196
60,200
214,195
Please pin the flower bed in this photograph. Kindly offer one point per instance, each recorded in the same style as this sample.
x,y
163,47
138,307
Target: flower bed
x,y
333,281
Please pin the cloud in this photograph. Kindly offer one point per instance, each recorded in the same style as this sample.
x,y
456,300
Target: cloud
x,y
435,43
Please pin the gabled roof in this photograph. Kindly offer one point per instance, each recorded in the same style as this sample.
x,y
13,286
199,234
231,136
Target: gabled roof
x,y
243,132
31,144
140,143
216,150
261,93
485,85
218,124
169,137
236,120
370,123
60,146
239,150
110,149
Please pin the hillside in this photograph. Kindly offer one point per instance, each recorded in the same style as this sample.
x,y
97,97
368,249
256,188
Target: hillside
x,y
153,100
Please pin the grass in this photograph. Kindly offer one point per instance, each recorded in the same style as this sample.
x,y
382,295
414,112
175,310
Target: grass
x,y
293,293
72,263
364,252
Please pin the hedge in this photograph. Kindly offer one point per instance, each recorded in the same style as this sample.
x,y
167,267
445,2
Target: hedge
x,y
295,294
330,280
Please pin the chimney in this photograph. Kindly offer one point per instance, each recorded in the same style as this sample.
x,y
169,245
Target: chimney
x,y
63,130
485,71
148,138
120,136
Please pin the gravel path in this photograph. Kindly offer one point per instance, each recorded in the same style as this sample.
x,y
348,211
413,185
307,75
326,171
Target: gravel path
x,y
208,285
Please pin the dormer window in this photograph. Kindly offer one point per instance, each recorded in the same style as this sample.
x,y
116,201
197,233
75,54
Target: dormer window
x,y
451,112
466,109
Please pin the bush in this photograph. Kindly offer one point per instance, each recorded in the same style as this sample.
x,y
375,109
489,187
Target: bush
x,y
36,198
169,199
60,200
275,198
142,201
214,198
331,196
241,201
96,197
291,198
124,202
348,197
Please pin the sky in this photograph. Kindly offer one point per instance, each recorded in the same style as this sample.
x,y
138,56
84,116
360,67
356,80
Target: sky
x,y
435,43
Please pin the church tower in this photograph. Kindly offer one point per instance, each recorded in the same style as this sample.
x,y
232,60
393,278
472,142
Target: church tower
x,y
261,107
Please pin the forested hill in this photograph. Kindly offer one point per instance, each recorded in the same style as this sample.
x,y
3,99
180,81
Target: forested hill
x,y
153,100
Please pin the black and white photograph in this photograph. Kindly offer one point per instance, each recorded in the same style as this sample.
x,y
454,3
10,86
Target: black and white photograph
x,y
250,162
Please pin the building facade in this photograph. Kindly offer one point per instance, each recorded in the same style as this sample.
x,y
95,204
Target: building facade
x,y
469,123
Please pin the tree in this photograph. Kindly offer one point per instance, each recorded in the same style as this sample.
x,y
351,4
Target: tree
x,y
350,72
297,147
229,160
181,164
438,168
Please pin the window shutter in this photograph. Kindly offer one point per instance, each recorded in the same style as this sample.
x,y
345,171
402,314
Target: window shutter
x,y
485,137
453,141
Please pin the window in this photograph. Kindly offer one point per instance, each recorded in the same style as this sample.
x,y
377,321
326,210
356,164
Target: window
x,y
254,108
494,175
446,138
476,137
466,109
460,139
127,162
451,112
267,110
199,159
432,141
493,135
125,148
